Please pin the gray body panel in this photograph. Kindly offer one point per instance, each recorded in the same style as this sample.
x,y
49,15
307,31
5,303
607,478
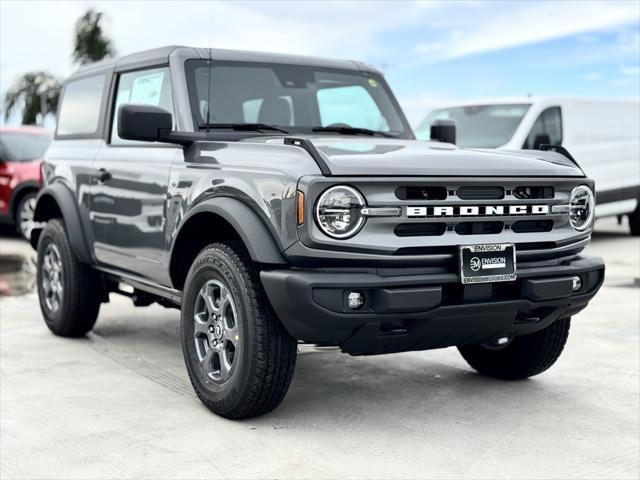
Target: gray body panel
x,y
128,210
383,157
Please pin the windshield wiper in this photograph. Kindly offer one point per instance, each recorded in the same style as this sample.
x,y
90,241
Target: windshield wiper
x,y
243,127
353,131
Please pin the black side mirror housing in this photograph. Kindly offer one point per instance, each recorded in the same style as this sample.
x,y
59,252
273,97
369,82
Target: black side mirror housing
x,y
443,131
540,140
145,123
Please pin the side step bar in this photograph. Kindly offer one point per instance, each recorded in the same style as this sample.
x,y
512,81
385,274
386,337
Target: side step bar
x,y
170,294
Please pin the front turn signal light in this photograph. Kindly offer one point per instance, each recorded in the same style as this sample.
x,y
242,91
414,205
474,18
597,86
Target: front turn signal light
x,y
300,207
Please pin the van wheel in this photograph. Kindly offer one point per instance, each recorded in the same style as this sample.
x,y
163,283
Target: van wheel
x,y
69,291
523,357
239,357
634,221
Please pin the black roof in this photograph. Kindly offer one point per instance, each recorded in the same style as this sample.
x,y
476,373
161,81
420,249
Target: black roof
x,y
161,55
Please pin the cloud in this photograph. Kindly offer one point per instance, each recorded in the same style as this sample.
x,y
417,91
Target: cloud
x,y
507,25
633,70
592,76
395,35
39,34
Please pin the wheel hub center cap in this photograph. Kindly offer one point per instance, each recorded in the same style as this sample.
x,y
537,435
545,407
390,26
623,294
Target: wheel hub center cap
x,y
218,330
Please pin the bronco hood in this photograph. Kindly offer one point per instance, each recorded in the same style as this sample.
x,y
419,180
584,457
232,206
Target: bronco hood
x,y
386,157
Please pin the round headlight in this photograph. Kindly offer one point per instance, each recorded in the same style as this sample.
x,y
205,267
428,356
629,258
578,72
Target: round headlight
x,y
582,207
338,211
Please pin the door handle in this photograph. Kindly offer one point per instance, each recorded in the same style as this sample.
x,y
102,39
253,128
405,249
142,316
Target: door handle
x,y
103,175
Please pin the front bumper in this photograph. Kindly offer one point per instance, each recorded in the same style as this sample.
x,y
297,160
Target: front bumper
x,y
425,311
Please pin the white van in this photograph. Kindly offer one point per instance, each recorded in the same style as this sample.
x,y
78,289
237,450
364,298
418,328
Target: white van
x,y
602,135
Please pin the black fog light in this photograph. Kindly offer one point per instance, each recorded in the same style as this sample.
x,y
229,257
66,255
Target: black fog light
x,y
355,300
577,283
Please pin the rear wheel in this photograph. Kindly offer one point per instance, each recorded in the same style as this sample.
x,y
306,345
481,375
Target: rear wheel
x,y
239,357
523,357
69,291
24,214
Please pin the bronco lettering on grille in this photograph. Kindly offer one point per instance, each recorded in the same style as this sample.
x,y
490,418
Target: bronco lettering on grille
x,y
477,210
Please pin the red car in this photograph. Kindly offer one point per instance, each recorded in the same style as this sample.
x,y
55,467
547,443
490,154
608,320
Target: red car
x,y
21,152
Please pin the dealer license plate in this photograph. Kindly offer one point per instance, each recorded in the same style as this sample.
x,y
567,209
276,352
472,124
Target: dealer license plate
x,y
488,263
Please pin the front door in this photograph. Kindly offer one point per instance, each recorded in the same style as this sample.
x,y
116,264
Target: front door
x,y
129,195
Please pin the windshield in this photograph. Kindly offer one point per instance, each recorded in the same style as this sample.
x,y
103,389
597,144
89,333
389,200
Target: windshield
x,y
296,98
478,126
21,147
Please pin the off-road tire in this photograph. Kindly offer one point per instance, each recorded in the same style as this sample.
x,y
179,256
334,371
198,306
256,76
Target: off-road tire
x,y
81,286
524,357
634,221
266,352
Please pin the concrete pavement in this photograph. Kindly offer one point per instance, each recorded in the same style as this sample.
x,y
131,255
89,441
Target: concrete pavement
x,y
118,404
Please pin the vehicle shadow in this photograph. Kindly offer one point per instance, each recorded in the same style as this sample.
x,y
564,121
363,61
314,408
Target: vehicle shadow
x,y
400,389
329,386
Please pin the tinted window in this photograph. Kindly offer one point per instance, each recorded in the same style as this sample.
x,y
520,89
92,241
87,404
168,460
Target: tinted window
x,y
297,97
145,87
547,129
21,147
80,110
478,126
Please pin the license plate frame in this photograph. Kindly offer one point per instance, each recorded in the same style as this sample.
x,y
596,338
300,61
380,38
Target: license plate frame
x,y
487,263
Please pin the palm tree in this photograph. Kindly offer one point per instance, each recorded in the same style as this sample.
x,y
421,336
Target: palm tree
x,y
36,93
90,43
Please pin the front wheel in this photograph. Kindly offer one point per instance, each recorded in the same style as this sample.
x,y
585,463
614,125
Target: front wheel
x,y
239,357
523,357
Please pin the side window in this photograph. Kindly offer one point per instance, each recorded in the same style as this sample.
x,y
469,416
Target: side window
x,y
80,109
146,87
352,105
546,129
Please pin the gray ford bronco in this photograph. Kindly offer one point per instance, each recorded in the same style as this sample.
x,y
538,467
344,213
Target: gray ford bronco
x,y
278,199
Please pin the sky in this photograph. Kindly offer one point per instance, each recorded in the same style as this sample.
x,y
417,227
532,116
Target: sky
x,y
431,52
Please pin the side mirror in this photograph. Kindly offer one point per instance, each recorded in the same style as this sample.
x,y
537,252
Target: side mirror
x,y
540,140
443,131
144,123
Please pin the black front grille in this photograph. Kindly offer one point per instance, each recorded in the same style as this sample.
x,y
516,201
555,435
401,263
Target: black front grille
x,y
422,193
537,192
472,192
528,226
478,228
420,229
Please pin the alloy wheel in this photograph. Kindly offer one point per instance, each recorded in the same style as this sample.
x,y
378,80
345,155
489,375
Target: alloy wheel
x,y
25,217
52,285
216,332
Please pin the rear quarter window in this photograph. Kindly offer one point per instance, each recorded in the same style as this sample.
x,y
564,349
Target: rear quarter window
x,y
80,110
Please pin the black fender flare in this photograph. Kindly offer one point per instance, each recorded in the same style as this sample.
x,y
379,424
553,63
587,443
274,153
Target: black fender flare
x,y
260,242
64,198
